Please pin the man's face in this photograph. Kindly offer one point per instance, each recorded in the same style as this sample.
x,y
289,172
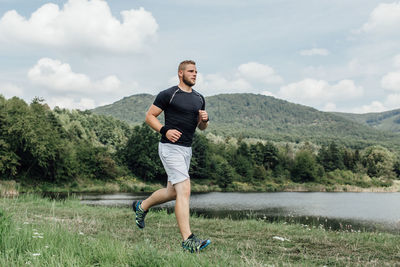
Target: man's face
x,y
188,75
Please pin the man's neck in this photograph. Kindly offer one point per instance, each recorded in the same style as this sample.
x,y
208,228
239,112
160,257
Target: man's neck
x,y
185,87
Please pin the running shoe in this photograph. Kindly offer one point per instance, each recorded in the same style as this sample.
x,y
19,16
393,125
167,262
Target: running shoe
x,y
140,213
195,244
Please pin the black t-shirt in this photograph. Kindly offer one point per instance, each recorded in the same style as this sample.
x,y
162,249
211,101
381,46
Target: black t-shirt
x,y
181,112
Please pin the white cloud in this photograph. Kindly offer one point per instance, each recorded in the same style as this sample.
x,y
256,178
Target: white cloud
x,y
71,103
329,107
393,101
212,84
59,77
268,93
254,71
317,92
375,106
82,25
384,18
315,52
250,77
391,81
67,89
9,90
357,67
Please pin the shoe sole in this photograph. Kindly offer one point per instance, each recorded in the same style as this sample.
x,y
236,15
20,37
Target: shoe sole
x,y
206,244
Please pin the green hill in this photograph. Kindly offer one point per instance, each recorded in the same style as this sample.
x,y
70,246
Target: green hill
x,y
386,121
265,117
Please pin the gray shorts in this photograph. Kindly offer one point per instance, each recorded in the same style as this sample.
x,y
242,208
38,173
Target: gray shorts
x,y
176,161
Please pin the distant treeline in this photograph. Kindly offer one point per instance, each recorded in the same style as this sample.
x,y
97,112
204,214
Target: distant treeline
x,y
38,144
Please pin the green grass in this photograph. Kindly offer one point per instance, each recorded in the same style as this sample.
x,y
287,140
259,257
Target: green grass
x,y
66,233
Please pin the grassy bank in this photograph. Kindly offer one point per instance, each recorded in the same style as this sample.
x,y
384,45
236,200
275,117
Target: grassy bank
x,y
41,232
134,185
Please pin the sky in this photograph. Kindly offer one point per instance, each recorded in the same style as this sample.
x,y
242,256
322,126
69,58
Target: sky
x,y
332,55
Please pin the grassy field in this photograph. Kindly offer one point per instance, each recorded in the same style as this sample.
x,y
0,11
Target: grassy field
x,y
42,232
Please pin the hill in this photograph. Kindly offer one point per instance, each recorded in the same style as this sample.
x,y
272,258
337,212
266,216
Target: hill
x,y
265,117
386,121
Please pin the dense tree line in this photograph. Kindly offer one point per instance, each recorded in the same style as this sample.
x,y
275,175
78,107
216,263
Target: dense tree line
x,y
39,144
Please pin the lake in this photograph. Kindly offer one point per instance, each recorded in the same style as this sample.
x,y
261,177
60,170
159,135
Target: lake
x,y
346,211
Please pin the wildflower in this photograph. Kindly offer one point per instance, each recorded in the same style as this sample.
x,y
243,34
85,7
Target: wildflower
x,y
81,233
35,254
280,238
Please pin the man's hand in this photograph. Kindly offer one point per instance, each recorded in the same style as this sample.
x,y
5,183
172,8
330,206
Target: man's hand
x,y
203,120
173,135
203,116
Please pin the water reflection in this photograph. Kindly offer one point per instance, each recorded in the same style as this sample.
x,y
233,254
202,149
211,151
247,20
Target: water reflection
x,y
345,211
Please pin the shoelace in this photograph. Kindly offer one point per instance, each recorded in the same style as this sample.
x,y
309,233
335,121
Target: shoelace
x,y
193,243
141,214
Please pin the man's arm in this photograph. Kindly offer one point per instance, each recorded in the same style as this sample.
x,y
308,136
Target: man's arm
x,y
203,120
151,119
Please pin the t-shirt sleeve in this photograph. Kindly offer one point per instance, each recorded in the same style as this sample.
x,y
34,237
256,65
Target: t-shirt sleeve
x,y
203,106
162,100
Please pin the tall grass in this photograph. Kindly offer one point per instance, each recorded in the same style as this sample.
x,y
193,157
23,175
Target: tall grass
x,y
43,232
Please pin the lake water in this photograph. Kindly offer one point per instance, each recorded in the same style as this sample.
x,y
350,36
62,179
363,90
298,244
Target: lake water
x,y
348,211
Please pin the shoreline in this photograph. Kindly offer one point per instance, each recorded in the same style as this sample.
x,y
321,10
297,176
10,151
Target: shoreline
x,y
12,189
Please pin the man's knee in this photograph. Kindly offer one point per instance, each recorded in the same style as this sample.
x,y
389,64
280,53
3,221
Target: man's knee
x,y
182,189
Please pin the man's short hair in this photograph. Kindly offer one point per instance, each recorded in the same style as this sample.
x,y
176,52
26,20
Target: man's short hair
x,y
184,63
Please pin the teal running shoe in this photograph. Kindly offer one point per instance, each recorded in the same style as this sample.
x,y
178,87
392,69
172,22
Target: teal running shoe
x,y
195,244
140,213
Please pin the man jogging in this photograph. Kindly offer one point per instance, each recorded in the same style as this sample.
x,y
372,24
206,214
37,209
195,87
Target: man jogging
x,y
184,110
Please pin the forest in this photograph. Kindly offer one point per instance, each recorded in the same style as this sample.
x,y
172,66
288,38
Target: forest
x,y
59,146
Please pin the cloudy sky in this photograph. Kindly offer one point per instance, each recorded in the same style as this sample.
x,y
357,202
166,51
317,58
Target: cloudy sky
x,y
333,55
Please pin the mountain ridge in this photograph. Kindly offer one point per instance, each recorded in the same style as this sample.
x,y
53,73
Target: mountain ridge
x,y
386,121
265,117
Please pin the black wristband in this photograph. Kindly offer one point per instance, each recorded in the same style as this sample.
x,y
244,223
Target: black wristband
x,y
164,130
208,118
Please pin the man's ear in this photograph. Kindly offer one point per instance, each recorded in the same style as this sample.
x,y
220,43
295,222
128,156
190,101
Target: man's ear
x,y
180,73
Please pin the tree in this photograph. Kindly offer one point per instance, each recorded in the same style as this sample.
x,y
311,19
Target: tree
x,y
305,168
141,154
243,162
271,157
378,161
8,159
260,173
221,172
349,159
201,157
257,153
396,168
331,157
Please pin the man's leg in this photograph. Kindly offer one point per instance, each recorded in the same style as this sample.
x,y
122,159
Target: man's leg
x,y
182,190
160,196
